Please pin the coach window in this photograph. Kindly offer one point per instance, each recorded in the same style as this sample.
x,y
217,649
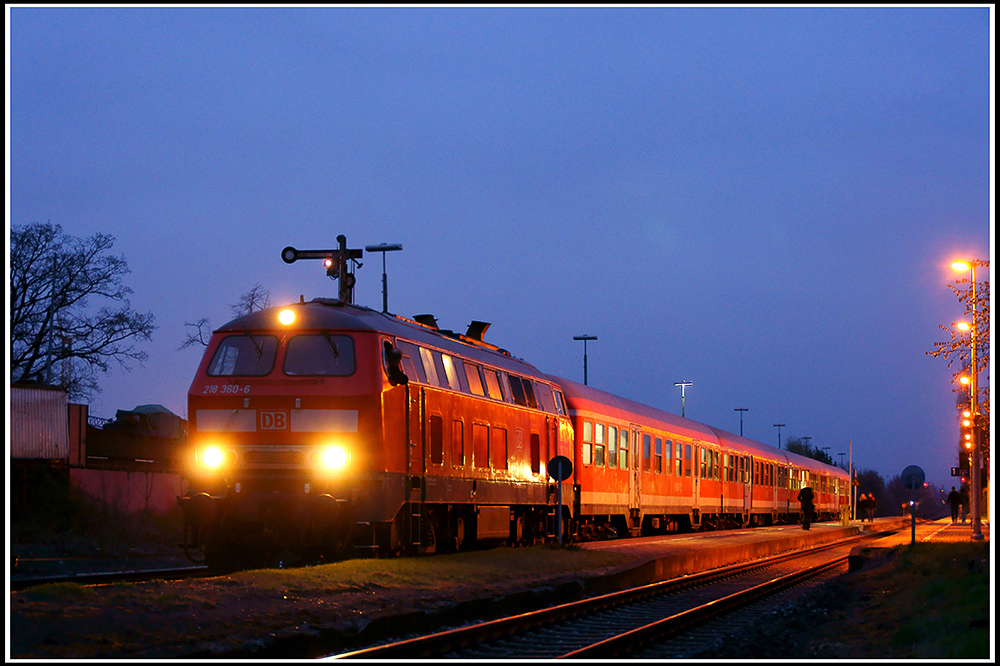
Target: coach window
x,y
658,456
599,445
623,450
246,355
679,460
646,453
687,460
322,355
588,441
699,454
498,448
480,445
612,446
437,439
474,379
668,457
457,443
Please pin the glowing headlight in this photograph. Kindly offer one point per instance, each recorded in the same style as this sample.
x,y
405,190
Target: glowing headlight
x,y
212,457
334,457
286,317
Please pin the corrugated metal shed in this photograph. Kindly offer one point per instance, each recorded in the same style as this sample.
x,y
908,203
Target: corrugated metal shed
x,y
39,427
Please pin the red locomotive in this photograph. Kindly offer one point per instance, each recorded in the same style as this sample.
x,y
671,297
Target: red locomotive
x,y
326,429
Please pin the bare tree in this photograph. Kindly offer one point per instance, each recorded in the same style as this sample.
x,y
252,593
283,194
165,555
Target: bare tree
x,y
257,298
53,276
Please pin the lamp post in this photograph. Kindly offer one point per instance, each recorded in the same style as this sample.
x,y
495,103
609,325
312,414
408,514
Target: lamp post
x,y
977,527
825,448
584,338
779,426
383,248
842,454
683,385
741,410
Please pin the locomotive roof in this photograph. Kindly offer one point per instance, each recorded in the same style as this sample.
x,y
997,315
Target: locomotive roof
x,y
628,410
334,315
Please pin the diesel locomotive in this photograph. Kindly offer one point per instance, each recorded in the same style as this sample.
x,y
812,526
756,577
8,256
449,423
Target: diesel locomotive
x,y
324,429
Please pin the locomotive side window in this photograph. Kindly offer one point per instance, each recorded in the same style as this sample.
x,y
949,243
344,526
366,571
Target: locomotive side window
x,y
457,443
588,439
244,355
612,446
493,384
475,381
529,393
546,401
412,366
322,355
480,445
517,390
498,448
560,403
450,373
429,370
437,439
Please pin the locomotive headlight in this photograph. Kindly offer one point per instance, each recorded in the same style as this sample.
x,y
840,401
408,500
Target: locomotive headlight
x,y
330,458
286,317
212,456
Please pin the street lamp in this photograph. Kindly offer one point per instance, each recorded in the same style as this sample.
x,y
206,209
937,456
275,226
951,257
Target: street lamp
x,y
779,426
584,338
741,410
977,528
683,385
383,248
842,454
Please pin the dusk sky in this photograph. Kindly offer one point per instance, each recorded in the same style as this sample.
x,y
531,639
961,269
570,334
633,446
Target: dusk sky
x,y
762,201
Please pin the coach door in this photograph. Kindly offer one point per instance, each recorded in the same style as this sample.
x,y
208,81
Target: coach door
x,y
635,485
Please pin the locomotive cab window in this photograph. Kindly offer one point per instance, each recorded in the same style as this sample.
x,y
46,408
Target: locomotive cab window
x,y
323,355
244,355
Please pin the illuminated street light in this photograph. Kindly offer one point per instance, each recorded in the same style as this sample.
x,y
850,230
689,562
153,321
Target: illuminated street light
x,y
977,528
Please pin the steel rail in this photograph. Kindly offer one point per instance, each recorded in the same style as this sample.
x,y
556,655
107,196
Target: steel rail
x,y
641,638
444,642
108,577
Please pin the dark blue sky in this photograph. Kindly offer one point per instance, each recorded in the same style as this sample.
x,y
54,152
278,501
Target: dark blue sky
x,y
764,201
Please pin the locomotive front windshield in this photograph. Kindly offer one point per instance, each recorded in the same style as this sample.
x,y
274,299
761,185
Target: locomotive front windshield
x,y
321,355
244,355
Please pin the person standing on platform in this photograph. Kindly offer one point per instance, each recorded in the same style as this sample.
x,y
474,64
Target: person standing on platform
x,y
871,507
954,502
863,506
805,498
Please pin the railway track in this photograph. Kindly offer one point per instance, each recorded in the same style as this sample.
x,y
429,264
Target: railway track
x,y
108,577
628,623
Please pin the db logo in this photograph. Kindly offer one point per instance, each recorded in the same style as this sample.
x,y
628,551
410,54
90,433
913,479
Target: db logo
x,y
273,420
